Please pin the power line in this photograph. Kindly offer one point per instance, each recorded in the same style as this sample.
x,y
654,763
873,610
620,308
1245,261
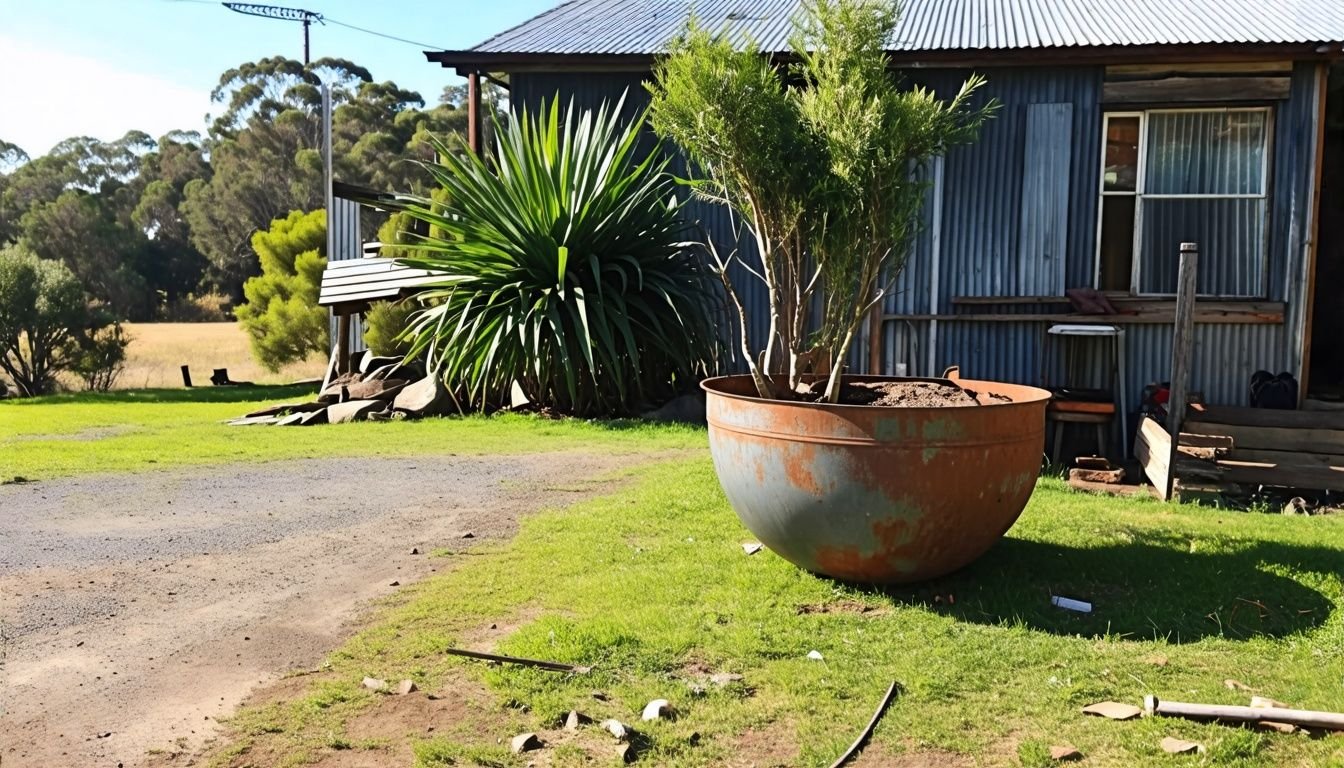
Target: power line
x,y
380,34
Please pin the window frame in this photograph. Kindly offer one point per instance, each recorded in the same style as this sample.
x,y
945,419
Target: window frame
x,y
1140,181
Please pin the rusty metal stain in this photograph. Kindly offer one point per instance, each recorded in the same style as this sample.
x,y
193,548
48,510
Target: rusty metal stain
x,y
877,494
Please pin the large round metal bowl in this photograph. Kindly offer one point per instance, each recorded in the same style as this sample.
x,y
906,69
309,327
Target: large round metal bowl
x,y
873,493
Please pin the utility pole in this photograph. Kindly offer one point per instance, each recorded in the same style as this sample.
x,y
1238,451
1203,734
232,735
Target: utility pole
x,y
284,14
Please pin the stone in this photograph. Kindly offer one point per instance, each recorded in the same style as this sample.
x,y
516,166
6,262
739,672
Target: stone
x,y
815,655
686,409
1065,753
426,397
626,753
524,742
752,547
1174,746
314,417
374,684
406,686
334,390
375,390
658,709
575,719
616,728
1113,710
372,363
354,410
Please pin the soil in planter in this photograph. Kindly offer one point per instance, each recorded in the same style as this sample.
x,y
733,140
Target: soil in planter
x,y
905,394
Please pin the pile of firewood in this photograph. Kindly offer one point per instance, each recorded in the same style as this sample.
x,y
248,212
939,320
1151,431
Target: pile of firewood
x,y
381,388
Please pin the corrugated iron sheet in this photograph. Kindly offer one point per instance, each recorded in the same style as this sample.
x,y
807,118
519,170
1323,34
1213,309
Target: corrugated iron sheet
x,y
344,242
647,26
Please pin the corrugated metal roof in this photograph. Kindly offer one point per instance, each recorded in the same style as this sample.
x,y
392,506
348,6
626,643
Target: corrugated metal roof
x,y
646,26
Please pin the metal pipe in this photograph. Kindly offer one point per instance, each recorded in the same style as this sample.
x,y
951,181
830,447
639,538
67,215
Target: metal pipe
x,y
1305,718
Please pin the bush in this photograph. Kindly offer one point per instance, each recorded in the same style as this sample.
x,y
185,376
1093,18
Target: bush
x,y
563,270
281,314
198,308
384,326
46,321
100,358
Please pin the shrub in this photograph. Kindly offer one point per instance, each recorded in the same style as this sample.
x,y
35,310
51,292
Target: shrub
x,y
563,269
100,358
384,327
281,314
816,161
198,308
46,320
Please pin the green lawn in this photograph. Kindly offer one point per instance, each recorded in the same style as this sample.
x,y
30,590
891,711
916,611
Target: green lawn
x,y
43,438
650,586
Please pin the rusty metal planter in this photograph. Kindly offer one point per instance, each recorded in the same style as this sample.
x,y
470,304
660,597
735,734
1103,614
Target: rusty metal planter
x,y
871,493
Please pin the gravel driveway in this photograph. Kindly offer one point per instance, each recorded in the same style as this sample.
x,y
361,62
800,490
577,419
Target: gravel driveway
x,y
136,609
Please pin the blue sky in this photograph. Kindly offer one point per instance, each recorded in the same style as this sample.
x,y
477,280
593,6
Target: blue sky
x,y
102,67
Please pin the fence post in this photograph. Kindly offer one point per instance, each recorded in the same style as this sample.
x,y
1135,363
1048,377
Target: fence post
x,y
1182,347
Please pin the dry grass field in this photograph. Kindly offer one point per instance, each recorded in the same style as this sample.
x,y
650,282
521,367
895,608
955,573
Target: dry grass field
x,y
158,351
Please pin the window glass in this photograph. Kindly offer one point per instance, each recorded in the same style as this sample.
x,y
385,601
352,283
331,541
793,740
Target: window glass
x,y
1206,153
1122,154
1231,236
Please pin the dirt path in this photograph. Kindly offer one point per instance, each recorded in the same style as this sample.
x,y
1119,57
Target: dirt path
x,y
135,610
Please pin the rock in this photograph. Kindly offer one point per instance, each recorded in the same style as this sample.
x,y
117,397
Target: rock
x,y
406,686
254,421
687,409
426,397
1065,753
575,719
658,709
1237,685
1113,710
815,655
314,417
375,390
524,742
415,550
724,678
332,394
626,753
616,728
467,535
371,363
1173,746
1297,506
374,684
1264,702
395,584
752,547
354,410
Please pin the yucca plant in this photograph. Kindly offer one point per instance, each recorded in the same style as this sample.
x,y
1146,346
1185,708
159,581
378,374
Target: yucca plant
x,y
563,269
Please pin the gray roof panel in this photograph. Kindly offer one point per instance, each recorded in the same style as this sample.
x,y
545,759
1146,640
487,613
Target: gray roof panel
x,y
647,26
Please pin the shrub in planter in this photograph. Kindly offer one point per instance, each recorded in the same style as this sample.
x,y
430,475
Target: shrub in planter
x,y
563,269
817,161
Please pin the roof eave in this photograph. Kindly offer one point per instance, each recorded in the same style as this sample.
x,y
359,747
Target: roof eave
x,y
480,61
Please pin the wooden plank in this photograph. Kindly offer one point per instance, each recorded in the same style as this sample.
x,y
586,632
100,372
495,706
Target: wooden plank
x,y
1153,450
1203,317
1286,458
1322,441
1150,71
1195,440
991,300
1199,89
1299,477
1183,340
1313,230
1267,417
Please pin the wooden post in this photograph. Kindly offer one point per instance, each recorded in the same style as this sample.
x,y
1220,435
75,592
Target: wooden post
x,y
186,376
474,112
1182,348
875,340
343,343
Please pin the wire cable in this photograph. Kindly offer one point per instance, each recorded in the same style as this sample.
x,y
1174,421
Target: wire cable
x,y
330,20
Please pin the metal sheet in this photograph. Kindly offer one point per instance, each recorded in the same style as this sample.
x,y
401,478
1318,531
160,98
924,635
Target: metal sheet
x,y
648,26
1044,231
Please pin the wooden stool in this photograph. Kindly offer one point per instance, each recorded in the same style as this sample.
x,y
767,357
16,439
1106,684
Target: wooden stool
x,y
1062,412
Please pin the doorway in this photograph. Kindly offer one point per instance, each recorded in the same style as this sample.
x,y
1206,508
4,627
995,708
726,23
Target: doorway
x,y
1325,374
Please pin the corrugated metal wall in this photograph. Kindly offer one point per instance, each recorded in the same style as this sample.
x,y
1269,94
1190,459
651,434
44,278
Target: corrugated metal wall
x,y
996,226
345,242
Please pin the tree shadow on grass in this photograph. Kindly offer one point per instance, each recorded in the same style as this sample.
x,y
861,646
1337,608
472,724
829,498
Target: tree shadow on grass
x,y
1151,588
239,394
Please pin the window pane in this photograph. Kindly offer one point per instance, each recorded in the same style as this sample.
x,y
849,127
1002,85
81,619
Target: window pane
x,y
1117,242
1122,154
1231,237
1206,153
